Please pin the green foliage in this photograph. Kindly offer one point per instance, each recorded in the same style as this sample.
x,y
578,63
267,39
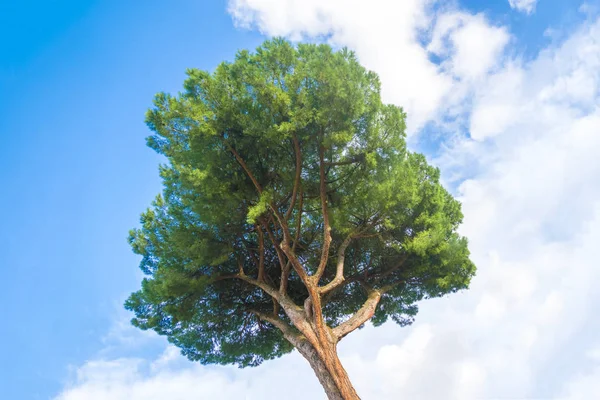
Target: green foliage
x,y
255,211
210,219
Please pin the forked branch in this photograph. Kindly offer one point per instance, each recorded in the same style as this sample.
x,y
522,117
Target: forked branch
x,y
364,314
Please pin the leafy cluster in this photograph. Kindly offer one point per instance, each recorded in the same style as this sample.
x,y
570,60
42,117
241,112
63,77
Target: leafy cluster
x,y
234,140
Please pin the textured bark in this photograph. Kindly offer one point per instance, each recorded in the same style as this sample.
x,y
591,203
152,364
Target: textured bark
x,y
329,371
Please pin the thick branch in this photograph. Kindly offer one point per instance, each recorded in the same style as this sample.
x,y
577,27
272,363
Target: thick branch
x,y
293,259
364,314
300,321
285,247
311,286
293,311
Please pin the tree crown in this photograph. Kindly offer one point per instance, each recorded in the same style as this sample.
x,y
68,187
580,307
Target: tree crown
x,y
285,168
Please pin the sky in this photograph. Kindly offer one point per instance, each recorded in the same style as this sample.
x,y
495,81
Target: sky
x,y
502,95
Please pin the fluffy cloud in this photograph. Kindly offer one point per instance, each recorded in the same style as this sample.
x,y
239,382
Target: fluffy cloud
x,y
526,6
470,45
527,171
170,377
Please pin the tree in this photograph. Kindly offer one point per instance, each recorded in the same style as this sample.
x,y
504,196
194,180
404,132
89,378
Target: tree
x,y
292,213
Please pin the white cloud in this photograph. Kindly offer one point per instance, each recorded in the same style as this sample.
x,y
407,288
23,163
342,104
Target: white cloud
x,y
529,178
526,6
472,46
124,379
495,107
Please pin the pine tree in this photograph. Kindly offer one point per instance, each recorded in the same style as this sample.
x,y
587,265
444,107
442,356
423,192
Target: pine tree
x,y
292,213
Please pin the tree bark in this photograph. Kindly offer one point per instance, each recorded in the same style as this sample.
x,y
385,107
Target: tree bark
x,y
329,371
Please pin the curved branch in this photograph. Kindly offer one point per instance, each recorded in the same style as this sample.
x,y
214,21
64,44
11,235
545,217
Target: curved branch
x,y
364,314
339,273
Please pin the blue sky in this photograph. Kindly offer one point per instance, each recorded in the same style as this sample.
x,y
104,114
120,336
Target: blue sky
x,y
75,80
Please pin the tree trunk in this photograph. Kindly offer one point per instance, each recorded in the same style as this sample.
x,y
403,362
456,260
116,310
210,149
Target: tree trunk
x,y
329,370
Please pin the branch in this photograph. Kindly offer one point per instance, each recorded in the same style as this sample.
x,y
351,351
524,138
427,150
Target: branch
x,y
310,284
261,254
387,288
339,273
293,311
282,222
326,225
390,271
285,272
240,160
364,314
276,245
250,252
297,178
287,330
362,278
285,247
330,294
290,254
270,290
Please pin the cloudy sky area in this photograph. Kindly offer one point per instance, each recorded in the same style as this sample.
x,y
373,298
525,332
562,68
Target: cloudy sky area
x,y
505,100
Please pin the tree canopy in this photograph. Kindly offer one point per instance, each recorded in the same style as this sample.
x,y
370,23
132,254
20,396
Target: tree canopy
x,y
289,196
